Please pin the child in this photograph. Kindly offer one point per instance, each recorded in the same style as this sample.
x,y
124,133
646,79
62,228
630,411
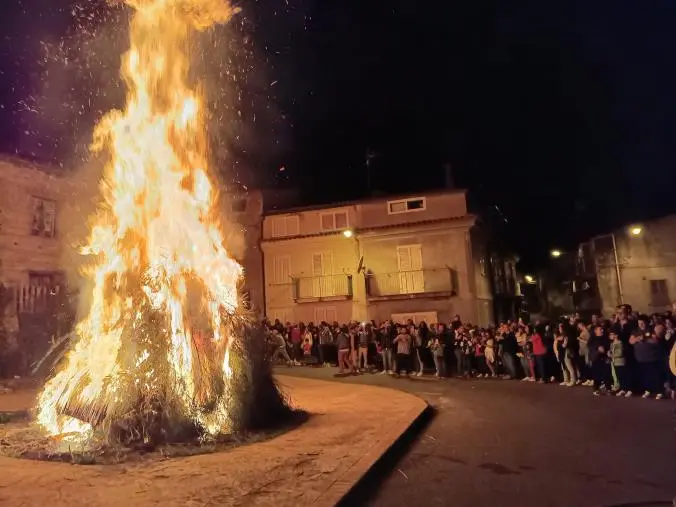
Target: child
x,y
307,349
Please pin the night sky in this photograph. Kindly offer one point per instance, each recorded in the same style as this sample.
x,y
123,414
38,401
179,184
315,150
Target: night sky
x,y
561,114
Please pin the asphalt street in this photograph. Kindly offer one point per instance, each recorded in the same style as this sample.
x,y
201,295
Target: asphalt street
x,y
508,443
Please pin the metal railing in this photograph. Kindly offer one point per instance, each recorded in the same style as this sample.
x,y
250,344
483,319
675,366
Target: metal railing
x,y
422,281
328,286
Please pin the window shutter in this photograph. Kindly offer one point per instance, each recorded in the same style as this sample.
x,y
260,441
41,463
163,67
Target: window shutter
x,y
292,226
317,264
341,220
404,258
416,257
327,222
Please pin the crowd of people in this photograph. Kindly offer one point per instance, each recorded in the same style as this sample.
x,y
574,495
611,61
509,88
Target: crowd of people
x,y
626,355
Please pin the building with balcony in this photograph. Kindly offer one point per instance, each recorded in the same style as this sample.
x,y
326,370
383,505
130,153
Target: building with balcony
x,y
419,257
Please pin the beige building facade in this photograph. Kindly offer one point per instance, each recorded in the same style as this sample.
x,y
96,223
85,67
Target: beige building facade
x,y
416,257
634,265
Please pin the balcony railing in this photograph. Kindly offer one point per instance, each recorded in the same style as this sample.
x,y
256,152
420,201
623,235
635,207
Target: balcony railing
x,y
407,283
321,287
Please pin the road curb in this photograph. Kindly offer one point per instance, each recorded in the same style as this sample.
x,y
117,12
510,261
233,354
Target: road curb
x,y
344,488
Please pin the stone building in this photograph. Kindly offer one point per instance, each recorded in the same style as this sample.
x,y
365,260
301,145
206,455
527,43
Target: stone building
x,y
635,265
33,200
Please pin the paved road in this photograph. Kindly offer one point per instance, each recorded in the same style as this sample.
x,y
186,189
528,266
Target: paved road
x,y
506,443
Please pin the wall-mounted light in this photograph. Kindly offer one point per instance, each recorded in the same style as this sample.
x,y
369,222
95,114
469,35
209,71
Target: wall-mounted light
x,y
529,279
555,253
348,233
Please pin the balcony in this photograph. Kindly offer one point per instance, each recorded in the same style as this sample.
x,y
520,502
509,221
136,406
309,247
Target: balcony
x,y
411,284
322,288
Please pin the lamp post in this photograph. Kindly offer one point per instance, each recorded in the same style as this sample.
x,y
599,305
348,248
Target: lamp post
x,y
634,230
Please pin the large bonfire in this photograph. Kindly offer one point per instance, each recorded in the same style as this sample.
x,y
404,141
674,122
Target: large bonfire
x,y
153,360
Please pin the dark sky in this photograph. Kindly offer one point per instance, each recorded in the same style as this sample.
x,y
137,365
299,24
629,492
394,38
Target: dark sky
x,y
562,114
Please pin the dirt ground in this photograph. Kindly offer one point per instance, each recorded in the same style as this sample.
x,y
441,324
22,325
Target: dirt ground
x,y
292,469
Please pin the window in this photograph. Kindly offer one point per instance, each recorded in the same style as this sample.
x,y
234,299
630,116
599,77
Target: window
x,y
334,221
281,269
406,205
322,269
44,217
409,261
326,314
285,226
659,293
239,205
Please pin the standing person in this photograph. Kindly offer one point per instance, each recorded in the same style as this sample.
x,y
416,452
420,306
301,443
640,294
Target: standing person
x,y
364,338
619,364
583,357
416,340
387,348
489,352
422,343
325,344
459,352
598,360
403,344
648,353
343,343
540,355
437,348
510,348
296,344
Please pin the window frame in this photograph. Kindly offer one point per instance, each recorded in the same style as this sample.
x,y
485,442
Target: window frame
x,y
406,202
285,219
334,221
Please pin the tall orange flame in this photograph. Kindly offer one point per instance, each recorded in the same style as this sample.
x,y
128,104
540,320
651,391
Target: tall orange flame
x,y
160,260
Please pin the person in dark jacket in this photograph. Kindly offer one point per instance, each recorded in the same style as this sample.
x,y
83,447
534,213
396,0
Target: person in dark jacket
x,y
598,347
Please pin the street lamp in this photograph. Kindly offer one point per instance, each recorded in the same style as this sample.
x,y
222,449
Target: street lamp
x,y
636,230
348,233
555,253
529,279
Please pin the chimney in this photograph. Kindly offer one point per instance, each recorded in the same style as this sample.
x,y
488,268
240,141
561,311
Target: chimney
x,y
448,176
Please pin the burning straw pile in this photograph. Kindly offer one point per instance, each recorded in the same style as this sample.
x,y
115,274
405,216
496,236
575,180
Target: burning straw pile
x,y
165,353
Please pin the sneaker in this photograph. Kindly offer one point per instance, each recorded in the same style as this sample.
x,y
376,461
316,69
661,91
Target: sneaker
x,y
390,372
564,384
436,375
525,379
628,394
570,384
646,395
659,396
597,393
552,379
620,393
383,372
531,379
419,374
